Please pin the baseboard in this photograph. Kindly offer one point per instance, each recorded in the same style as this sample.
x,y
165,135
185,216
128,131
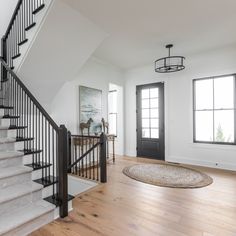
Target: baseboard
x,y
218,165
130,154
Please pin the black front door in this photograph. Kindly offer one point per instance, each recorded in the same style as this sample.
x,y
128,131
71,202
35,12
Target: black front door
x,y
150,121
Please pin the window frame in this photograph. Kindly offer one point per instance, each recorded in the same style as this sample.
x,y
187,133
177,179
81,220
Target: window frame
x,y
113,113
213,109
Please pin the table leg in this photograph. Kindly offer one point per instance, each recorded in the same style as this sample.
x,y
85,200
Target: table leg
x,y
113,150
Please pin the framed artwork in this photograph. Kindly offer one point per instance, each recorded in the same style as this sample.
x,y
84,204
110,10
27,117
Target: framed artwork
x,y
90,101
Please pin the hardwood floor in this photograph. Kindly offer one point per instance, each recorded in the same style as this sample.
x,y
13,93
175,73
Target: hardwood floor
x,y
125,207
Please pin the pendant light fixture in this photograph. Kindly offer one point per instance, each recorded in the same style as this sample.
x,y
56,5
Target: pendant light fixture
x,y
170,63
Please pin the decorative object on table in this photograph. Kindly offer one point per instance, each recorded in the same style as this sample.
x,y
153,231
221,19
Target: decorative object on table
x,y
90,101
105,126
170,63
168,175
86,125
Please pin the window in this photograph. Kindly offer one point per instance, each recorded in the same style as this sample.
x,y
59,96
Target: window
x,y
112,111
214,110
150,113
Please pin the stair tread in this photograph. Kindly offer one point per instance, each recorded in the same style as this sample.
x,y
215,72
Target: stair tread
x,y
23,215
5,107
39,9
10,154
30,151
21,139
23,42
11,127
38,166
15,170
4,127
30,26
9,117
15,191
47,181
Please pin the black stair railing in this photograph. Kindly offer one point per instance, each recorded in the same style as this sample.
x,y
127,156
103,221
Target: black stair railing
x,y
23,19
42,137
87,157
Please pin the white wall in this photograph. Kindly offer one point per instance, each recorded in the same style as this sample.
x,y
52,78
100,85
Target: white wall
x,y
95,74
178,108
64,42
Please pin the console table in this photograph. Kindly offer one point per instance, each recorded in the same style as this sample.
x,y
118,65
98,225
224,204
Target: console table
x,y
111,138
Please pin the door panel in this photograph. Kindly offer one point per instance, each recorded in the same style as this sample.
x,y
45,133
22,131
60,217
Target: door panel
x,y
150,120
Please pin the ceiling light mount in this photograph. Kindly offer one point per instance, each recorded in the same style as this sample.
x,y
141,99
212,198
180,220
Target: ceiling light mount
x,y
170,63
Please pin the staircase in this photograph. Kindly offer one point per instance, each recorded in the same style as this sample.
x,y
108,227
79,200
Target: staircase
x,y
33,148
35,153
22,208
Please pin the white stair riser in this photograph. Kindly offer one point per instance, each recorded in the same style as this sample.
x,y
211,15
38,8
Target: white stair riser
x,y
1,110
27,159
5,122
13,146
19,146
32,225
16,161
48,191
17,179
4,133
20,201
7,146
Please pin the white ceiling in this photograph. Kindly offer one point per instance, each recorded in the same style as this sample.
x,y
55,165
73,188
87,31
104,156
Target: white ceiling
x,y
139,29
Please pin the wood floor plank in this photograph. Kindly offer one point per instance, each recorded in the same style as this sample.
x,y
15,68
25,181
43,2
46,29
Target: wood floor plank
x,y
124,206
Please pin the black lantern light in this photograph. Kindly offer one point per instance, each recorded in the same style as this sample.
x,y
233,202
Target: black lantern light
x,y
170,63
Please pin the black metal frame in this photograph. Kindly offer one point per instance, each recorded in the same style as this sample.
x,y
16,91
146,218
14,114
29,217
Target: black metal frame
x,y
194,110
164,69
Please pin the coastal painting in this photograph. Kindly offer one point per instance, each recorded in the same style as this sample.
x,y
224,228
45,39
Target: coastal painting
x,y
90,101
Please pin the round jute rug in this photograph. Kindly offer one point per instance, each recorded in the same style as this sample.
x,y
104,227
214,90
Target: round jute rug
x,y
168,175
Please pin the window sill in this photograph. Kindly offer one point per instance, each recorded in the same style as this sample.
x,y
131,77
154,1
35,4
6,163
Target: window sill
x,y
213,146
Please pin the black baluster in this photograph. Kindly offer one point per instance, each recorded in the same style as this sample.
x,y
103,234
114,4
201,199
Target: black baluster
x,y
43,150
49,149
53,162
45,147
93,161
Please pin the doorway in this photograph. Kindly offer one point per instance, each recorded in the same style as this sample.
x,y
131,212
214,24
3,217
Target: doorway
x,y
150,121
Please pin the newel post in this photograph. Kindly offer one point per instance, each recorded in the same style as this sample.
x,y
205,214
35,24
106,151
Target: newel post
x,y
62,169
103,158
69,151
4,57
